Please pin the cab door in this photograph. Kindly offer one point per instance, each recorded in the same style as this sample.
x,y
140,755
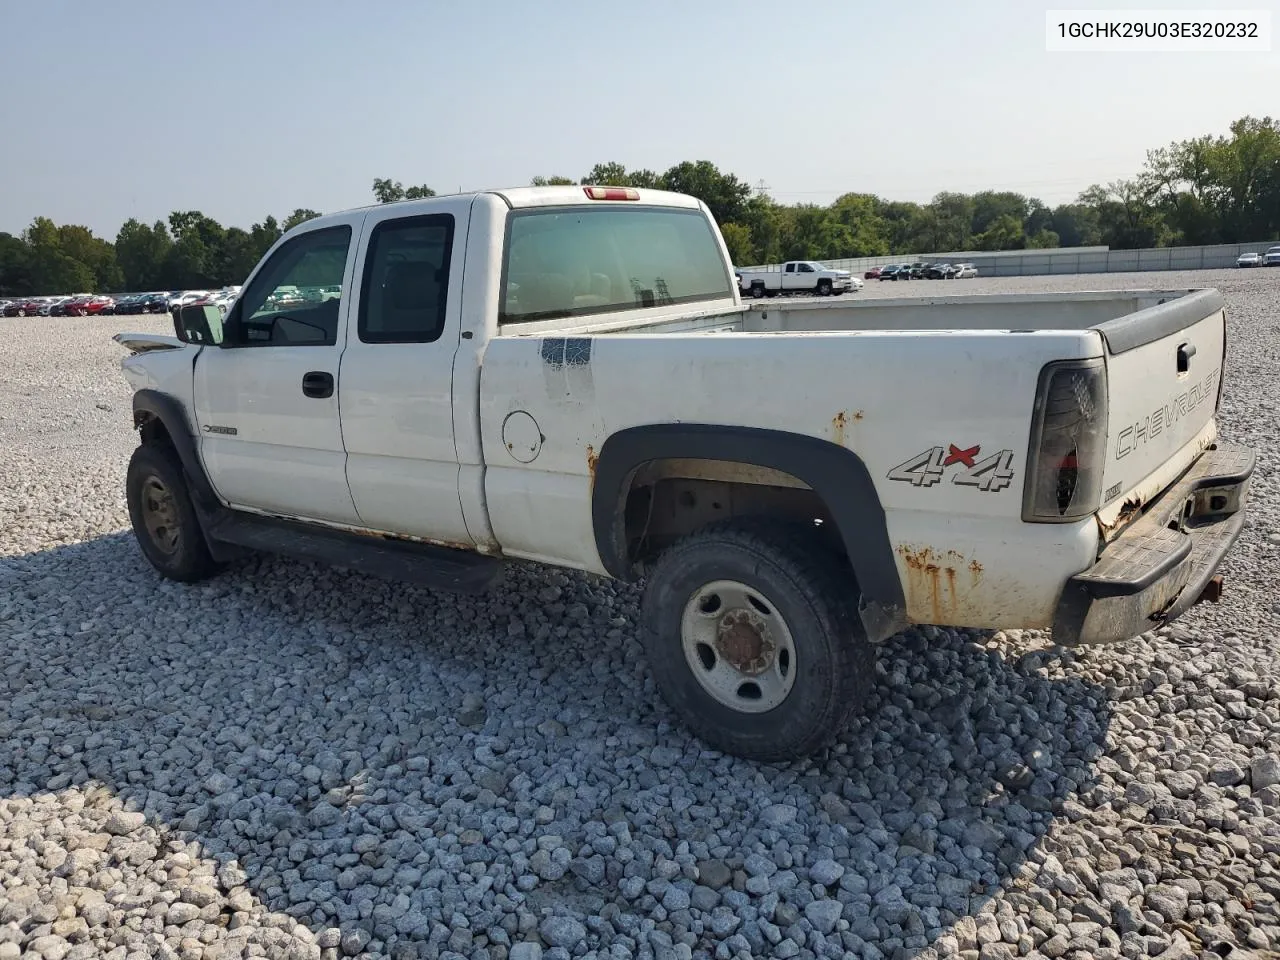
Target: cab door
x,y
266,399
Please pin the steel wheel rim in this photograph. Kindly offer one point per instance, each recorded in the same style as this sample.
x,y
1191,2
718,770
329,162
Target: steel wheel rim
x,y
738,646
160,515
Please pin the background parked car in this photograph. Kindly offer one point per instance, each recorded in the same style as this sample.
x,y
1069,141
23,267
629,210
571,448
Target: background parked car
x,y
155,303
1251,259
1272,257
939,271
125,305
964,270
871,274
891,272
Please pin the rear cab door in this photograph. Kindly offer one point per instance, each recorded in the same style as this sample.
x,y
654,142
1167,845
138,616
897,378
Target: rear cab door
x,y
792,279
396,397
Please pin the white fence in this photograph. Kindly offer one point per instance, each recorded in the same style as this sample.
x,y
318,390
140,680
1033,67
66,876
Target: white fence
x,y
1027,263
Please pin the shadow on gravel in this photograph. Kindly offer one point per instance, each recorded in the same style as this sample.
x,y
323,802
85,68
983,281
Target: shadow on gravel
x,y
381,758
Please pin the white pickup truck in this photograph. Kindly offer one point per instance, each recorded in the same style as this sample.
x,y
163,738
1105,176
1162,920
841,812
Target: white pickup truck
x,y
796,276
568,376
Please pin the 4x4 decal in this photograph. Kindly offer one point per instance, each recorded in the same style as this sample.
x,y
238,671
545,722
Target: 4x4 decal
x,y
991,474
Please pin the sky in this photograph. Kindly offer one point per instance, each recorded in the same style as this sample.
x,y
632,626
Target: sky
x,y
244,108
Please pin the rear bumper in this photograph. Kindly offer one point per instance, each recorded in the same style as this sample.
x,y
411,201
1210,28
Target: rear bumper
x,y
1165,562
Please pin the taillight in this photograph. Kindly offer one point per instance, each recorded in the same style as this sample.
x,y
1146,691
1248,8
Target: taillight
x,y
611,193
1068,442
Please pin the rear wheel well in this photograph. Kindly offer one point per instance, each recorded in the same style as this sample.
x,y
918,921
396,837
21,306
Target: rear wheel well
x,y
670,499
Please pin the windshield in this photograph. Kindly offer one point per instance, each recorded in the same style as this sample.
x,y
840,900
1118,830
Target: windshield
x,y
579,261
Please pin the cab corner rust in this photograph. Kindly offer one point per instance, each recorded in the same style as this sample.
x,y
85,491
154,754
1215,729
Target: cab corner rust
x,y
593,459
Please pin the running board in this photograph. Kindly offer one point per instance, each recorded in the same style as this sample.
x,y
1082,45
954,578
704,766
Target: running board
x,y
443,568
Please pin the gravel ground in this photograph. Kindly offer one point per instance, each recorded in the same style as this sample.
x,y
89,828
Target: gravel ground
x,y
291,761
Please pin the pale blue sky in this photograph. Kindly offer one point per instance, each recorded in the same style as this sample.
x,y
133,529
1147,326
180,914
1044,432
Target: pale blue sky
x,y
241,108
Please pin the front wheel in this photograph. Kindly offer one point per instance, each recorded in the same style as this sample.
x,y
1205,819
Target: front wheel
x,y
164,520
824,288
754,641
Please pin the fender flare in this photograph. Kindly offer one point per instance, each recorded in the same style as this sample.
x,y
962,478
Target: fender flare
x,y
836,474
148,404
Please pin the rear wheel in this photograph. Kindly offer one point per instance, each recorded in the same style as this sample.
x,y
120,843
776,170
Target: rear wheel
x,y
164,520
754,641
824,288
758,291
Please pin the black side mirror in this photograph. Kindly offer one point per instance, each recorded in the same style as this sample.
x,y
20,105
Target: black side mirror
x,y
196,323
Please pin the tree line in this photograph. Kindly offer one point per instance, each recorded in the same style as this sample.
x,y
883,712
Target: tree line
x,y
1206,190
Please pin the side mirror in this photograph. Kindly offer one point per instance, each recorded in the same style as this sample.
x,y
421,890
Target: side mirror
x,y
198,324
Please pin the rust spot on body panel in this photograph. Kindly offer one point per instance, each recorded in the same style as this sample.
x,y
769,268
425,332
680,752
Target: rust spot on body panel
x,y
593,459
841,421
837,428
933,580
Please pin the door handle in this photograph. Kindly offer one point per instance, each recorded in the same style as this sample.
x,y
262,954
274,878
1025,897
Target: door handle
x,y
1185,352
317,384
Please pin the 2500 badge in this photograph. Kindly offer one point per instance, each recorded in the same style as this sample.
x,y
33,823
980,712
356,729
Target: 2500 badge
x,y
990,474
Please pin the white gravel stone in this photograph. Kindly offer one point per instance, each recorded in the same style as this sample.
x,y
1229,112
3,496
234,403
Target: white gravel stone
x,y
294,760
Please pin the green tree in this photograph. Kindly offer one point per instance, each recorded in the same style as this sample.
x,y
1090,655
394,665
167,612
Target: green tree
x,y
301,215
952,220
97,254
53,271
1039,218
611,174
15,266
723,193
196,257
738,240
552,182
389,191
237,256
141,252
1003,233
1076,225
990,205
766,222
1126,217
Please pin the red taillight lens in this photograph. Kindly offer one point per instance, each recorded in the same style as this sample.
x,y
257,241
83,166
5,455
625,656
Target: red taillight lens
x,y
611,193
1068,443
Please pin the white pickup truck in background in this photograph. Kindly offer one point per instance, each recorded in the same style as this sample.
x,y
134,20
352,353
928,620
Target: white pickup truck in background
x,y
796,276
568,376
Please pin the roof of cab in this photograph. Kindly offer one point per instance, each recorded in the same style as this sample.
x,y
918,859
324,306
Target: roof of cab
x,y
522,197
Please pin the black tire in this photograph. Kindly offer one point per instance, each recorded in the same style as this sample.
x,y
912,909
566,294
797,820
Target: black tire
x,y
758,291
824,288
791,569
185,557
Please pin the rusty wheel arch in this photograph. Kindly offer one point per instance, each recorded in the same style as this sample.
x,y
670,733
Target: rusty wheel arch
x,y
835,476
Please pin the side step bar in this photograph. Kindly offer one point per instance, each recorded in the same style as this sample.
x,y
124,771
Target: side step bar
x,y
442,568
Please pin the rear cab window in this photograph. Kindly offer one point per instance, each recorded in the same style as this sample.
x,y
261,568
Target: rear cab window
x,y
580,261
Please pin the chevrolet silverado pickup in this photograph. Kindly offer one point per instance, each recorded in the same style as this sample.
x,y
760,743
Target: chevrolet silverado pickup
x,y
796,276
569,376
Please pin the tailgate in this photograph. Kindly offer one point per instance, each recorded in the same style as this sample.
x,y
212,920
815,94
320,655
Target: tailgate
x,y
1164,372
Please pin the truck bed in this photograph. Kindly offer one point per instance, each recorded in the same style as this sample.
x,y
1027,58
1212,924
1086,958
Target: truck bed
x,y
886,380
1125,318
